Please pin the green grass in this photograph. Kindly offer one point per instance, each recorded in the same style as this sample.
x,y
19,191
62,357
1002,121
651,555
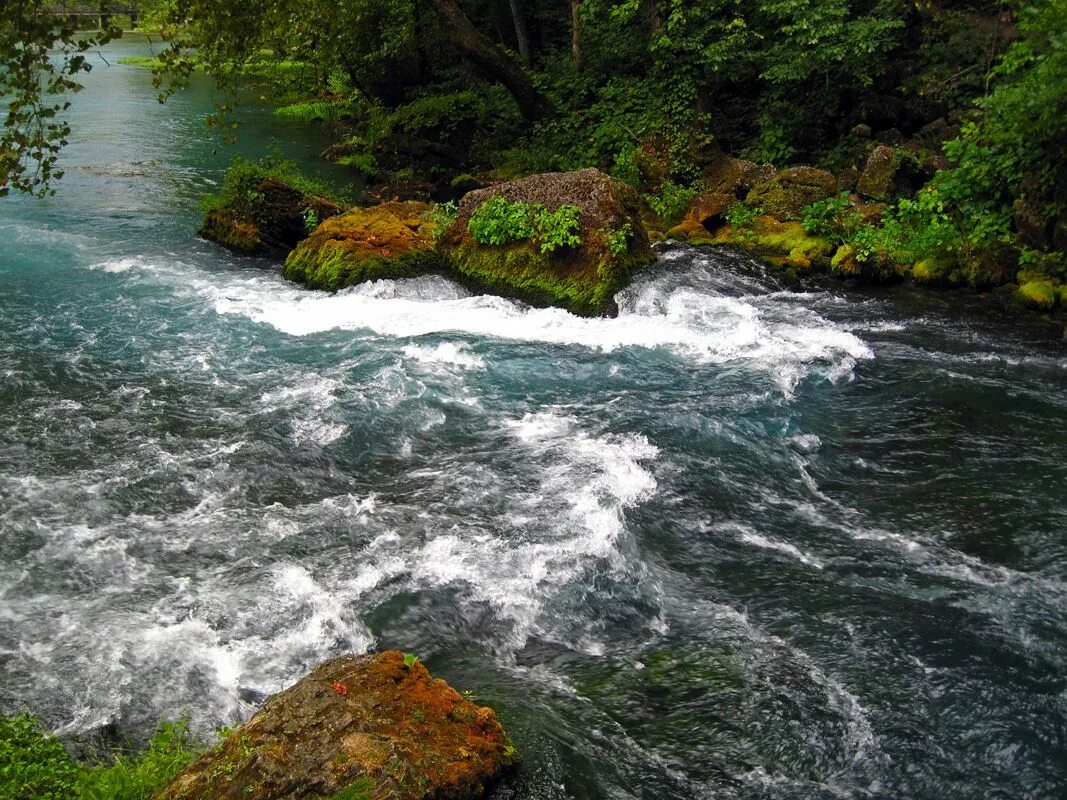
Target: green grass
x,y
34,764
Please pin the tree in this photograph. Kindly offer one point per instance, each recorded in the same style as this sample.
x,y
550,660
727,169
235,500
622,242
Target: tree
x,y
493,61
35,86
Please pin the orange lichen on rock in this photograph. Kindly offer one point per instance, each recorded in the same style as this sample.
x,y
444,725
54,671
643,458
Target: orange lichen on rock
x,y
394,732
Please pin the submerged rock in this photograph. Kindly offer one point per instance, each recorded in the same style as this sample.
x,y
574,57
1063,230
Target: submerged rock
x,y
391,240
582,278
269,218
359,728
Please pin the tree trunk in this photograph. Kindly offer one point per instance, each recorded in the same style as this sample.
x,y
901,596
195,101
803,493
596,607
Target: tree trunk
x,y
650,16
521,34
576,35
493,61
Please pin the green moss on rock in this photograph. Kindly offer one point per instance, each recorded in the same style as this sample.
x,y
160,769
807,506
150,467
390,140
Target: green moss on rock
x,y
781,243
786,195
391,240
1041,295
583,278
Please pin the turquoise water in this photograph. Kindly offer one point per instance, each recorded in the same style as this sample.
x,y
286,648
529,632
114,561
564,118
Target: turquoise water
x,y
747,540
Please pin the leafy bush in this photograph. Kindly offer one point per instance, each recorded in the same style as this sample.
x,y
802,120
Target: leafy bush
x,y
240,185
835,217
671,202
443,216
619,240
499,221
34,764
741,216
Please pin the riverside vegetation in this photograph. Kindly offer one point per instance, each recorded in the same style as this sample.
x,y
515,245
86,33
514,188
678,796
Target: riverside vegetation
x,y
947,117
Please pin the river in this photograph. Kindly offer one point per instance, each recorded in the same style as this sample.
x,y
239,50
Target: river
x,y
747,540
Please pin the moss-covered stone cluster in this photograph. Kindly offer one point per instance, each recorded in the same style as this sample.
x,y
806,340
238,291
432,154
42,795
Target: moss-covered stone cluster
x,y
579,259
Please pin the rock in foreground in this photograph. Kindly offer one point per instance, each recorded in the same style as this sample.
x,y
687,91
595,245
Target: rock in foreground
x,y
391,240
359,728
583,274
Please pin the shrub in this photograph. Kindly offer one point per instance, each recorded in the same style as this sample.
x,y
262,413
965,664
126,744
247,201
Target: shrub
x,y
499,221
34,764
240,185
671,202
836,218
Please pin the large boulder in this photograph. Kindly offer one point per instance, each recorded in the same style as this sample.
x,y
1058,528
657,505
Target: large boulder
x,y
785,195
268,217
889,172
582,277
391,240
361,728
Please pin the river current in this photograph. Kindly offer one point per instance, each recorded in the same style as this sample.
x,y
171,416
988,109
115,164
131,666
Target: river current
x,y
747,540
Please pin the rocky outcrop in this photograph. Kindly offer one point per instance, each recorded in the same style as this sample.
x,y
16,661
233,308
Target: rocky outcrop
x,y
582,277
786,194
889,172
359,728
704,214
391,240
784,244
269,218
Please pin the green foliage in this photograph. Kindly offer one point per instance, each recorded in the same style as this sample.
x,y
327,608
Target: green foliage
x,y
41,59
835,217
671,202
141,775
34,764
618,241
443,216
364,163
361,789
410,660
499,221
240,190
741,216
311,220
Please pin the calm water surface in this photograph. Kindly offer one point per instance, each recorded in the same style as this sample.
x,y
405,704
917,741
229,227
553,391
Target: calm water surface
x,y
740,542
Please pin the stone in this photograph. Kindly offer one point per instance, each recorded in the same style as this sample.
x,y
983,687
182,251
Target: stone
x,y
359,728
390,240
889,172
784,244
272,223
703,215
582,279
786,194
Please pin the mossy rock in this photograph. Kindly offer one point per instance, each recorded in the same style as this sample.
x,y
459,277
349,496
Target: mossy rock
x,y
1041,295
889,172
357,728
934,272
391,240
583,279
702,216
781,243
785,195
269,221
876,268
